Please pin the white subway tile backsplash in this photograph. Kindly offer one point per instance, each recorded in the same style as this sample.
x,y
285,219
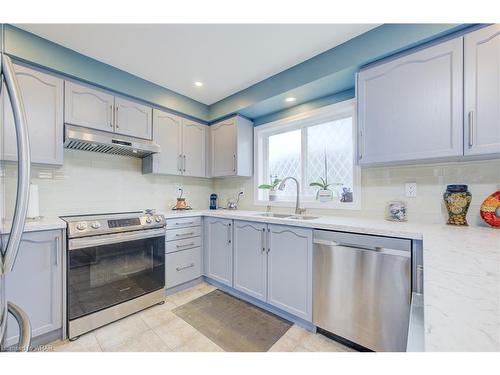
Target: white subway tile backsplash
x,y
91,182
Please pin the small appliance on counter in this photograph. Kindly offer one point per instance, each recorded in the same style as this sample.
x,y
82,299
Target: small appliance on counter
x,y
213,201
181,204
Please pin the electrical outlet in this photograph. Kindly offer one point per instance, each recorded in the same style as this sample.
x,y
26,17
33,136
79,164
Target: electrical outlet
x,y
411,189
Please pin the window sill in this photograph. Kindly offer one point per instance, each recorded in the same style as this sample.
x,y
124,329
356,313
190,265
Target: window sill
x,y
312,205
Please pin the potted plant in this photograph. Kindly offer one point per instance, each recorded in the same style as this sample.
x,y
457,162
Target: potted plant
x,y
324,194
275,181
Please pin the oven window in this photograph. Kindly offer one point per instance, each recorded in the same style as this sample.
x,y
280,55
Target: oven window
x,y
106,275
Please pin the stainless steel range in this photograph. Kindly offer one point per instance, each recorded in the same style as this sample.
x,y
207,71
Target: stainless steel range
x,y
115,267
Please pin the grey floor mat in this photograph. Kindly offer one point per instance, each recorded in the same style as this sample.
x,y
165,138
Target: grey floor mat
x,y
233,324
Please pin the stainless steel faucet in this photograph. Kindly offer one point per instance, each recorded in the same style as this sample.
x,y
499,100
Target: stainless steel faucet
x,y
298,210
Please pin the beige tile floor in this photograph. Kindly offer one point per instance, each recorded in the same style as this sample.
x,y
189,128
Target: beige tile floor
x,y
157,329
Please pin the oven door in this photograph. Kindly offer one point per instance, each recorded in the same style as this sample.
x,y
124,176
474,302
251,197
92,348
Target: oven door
x,y
106,270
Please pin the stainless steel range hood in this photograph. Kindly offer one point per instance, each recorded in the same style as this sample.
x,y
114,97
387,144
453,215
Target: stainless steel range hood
x,y
80,138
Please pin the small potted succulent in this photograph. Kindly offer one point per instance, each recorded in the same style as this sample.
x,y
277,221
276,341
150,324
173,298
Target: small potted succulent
x,y
272,187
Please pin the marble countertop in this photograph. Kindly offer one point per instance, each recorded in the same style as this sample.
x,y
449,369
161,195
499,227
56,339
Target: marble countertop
x,y
44,223
461,274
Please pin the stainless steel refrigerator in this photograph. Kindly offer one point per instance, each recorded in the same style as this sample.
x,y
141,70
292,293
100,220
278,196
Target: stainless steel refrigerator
x,y
13,207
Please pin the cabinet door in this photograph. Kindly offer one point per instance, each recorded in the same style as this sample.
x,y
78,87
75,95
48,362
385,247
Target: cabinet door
x,y
35,284
132,119
250,258
223,148
411,108
482,91
218,248
167,132
193,148
88,107
290,270
42,96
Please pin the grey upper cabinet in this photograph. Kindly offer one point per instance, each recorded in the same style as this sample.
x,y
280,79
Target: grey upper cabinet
x,y
194,140
218,250
231,147
290,269
482,91
86,106
96,109
411,108
183,146
43,102
167,132
133,119
36,283
250,258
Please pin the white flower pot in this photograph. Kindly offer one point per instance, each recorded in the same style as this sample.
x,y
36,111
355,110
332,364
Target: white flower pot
x,y
272,196
324,195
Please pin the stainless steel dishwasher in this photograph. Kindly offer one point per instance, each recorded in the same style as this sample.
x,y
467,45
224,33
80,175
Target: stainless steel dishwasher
x,y
362,289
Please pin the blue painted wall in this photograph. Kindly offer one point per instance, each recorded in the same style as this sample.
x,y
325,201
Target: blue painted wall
x,y
304,107
330,72
30,48
318,81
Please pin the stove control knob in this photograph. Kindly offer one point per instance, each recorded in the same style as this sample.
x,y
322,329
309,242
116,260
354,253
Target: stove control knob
x,y
158,219
149,220
95,225
82,225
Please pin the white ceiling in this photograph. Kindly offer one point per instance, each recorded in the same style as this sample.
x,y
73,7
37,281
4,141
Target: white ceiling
x,y
225,57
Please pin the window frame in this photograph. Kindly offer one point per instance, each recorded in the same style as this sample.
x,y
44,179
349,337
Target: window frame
x,y
302,121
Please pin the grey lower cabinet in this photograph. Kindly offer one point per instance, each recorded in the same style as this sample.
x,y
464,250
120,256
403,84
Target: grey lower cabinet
x,y
289,276
182,251
36,284
273,263
250,258
218,250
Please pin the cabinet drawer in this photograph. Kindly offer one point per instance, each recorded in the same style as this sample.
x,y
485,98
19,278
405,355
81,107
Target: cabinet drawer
x,y
180,234
182,266
188,243
183,222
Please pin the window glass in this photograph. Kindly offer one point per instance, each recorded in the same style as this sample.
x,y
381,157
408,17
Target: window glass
x,y
284,159
330,155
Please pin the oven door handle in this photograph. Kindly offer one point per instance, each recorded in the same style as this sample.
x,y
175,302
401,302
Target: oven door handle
x,y
106,239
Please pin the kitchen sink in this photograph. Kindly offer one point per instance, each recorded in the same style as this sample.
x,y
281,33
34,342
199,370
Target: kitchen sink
x,y
303,217
288,216
271,214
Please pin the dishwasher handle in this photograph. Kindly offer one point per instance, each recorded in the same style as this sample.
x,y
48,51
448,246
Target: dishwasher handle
x,y
378,249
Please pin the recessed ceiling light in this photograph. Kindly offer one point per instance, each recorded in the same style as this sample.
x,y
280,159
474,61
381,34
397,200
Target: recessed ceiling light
x,y
198,83
290,99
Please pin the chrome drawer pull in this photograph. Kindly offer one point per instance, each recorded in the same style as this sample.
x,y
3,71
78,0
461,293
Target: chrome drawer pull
x,y
185,223
185,245
184,234
185,267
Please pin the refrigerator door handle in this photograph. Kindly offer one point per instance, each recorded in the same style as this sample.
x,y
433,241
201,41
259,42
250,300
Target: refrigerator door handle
x,y
24,327
23,167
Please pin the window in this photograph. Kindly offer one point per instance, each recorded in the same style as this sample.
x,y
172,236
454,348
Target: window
x,y
316,146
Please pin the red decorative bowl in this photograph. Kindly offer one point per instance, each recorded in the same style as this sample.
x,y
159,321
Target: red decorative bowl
x,y
490,210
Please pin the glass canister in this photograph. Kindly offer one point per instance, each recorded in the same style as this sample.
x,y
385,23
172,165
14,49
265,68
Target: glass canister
x,y
457,199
